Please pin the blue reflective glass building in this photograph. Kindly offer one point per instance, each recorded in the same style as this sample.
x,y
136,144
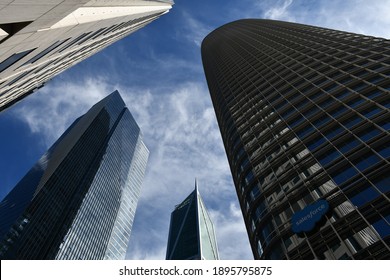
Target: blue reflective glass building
x,y
79,200
191,232
304,116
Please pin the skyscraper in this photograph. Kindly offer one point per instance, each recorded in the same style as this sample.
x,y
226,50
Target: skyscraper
x,y
78,201
304,116
39,39
191,232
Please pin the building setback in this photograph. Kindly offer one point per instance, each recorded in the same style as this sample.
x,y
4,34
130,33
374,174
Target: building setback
x,y
78,201
304,116
191,232
39,39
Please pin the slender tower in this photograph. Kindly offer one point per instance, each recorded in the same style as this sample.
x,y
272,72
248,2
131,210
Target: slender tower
x,y
191,232
78,201
304,116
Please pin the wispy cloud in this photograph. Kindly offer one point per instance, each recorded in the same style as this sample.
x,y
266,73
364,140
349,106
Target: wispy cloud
x,y
194,30
185,143
279,10
229,227
370,18
51,110
360,16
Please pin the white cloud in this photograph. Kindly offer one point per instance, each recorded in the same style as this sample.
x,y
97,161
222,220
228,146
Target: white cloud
x,y
279,11
51,110
230,227
194,30
365,17
359,16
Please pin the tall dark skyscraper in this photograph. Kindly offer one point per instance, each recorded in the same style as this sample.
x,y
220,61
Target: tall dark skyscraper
x,y
304,116
79,200
191,232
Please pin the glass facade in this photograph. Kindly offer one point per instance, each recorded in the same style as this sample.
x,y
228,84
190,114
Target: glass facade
x,y
191,232
79,200
304,116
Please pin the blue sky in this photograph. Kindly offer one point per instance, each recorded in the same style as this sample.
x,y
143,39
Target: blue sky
x,y
159,74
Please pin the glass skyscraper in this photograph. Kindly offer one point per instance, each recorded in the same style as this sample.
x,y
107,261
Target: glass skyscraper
x,y
78,201
191,232
304,116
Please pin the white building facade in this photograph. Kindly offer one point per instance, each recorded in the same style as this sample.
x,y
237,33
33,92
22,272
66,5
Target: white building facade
x,y
41,38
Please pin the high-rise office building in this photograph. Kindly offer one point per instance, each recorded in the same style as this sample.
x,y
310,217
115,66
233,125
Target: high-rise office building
x,y
39,39
304,116
191,232
78,201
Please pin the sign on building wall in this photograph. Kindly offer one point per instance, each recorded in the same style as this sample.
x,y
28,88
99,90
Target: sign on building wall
x,y
306,219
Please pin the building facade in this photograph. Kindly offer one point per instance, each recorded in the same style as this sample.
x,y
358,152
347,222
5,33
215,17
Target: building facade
x,y
78,201
39,39
304,116
191,231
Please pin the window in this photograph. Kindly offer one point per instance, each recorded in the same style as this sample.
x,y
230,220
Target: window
x,y
326,103
385,103
376,79
334,131
373,94
296,121
316,142
254,193
348,145
322,120
305,131
368,133
383,227
373,110
302,103
287,113
366,161
342,94
315,94
385,124
311,112
331,88
249,177
355,102
13,59
338,111
71,43
343,175
359,87
351,122
329,157
383,183
46,51
384,150
260,211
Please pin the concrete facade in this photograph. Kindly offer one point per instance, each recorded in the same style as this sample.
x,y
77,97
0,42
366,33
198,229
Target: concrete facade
x,y
39,39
